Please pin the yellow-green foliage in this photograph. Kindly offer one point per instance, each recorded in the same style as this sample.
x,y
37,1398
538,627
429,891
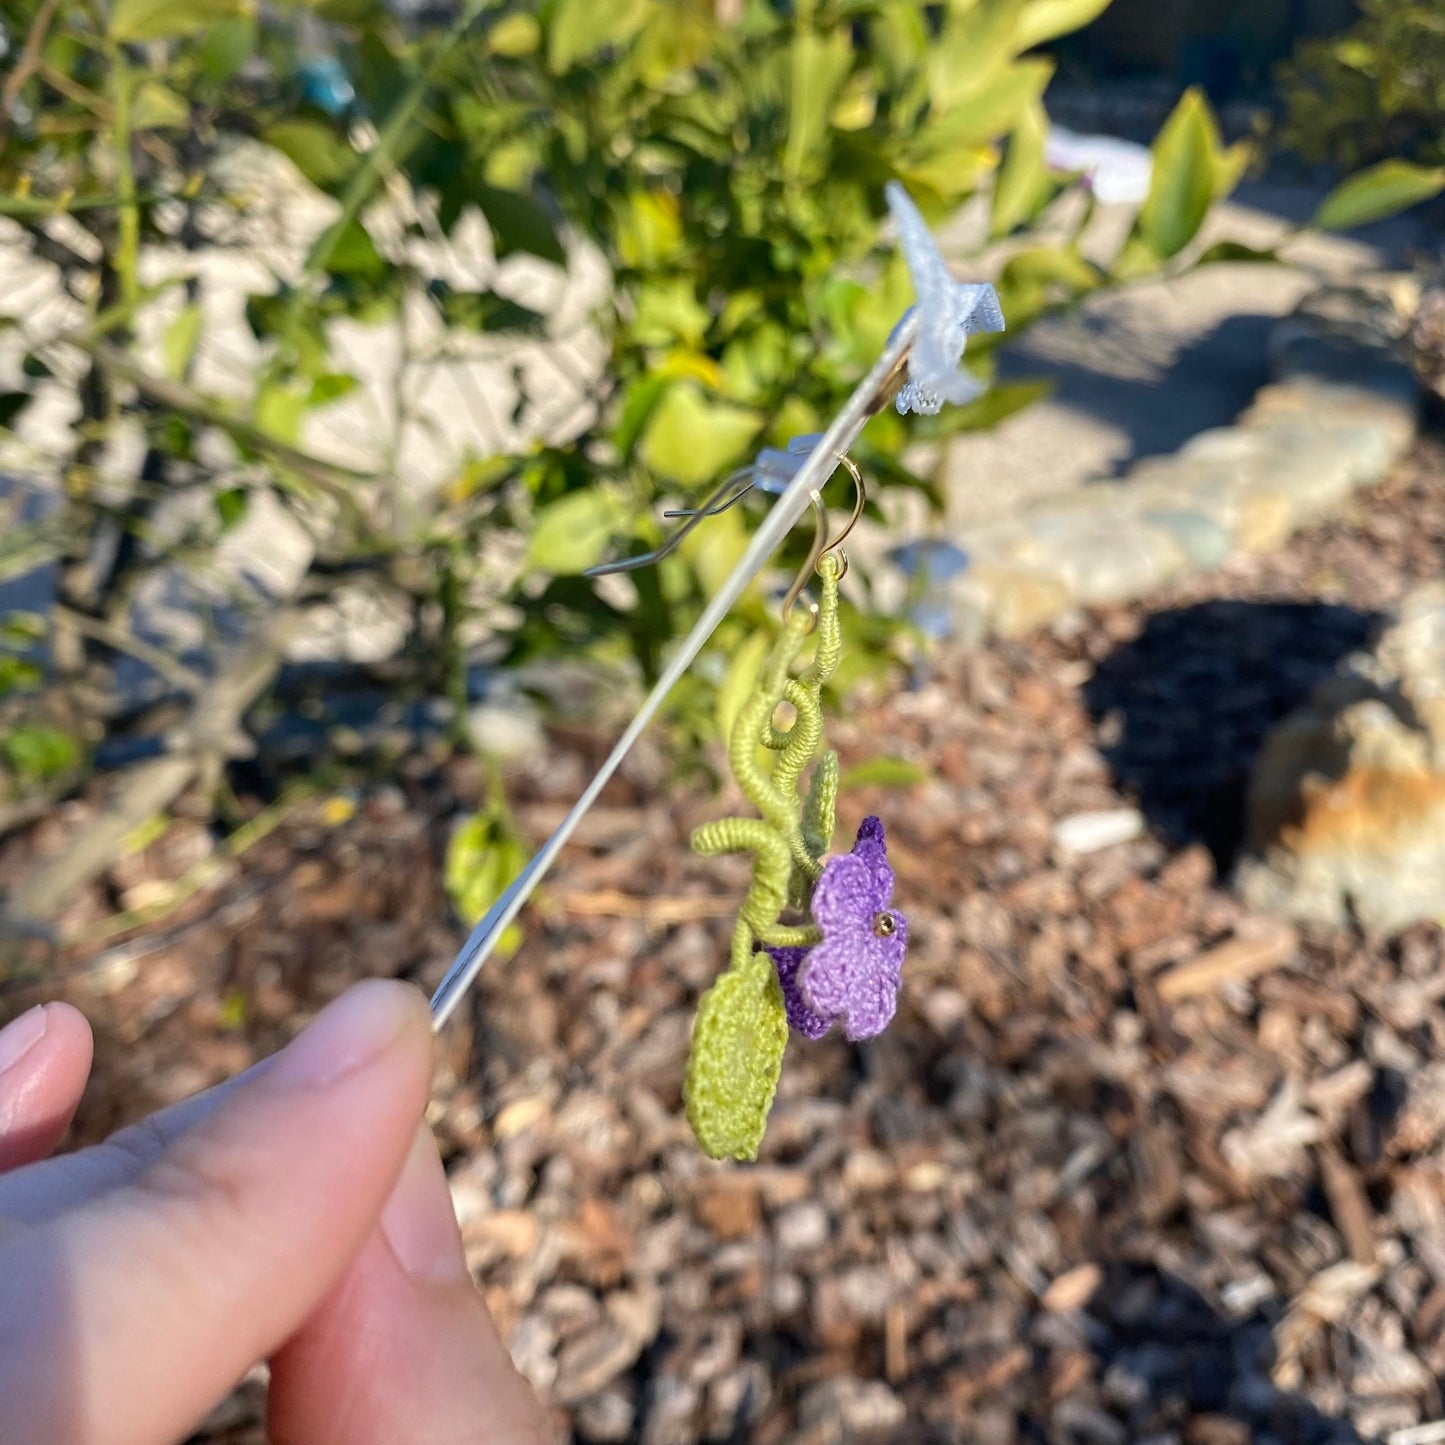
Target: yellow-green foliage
x,y
1377,90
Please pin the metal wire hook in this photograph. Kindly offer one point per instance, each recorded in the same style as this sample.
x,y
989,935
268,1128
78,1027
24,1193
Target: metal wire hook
x,y
771,466
729,494
709,508
822,543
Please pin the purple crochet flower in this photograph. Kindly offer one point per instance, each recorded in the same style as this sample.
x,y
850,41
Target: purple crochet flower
x,y
854,973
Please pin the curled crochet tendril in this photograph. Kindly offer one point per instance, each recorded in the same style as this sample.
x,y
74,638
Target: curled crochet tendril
x,y
742,1027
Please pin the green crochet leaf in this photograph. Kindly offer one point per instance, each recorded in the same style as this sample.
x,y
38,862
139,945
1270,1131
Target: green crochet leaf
x,y
736,1057
821,806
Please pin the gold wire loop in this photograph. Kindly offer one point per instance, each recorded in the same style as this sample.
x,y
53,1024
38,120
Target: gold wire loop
x,y
860,500
815,555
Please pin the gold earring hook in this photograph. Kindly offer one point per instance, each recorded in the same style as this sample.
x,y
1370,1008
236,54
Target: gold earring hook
x,y
815,555
822,543
860,500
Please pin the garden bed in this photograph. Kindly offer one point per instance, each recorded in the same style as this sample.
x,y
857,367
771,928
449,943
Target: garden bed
x,y
1130,1163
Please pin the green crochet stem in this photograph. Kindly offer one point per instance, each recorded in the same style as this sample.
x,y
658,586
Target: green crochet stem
x,y
741,1029
789,840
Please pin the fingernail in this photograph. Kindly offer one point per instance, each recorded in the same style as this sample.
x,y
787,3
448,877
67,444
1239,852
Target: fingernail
x,y
419,1221
21,1035
348,1034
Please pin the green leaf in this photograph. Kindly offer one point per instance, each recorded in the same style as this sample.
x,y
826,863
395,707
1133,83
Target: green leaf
x,y
693,440
21,629
648,228
483,310
158,107
736,1057
354,253
227,46
817,67
1136,258
1051,265
976,45
572,533
859,317
955,150
1229,167
1236,251
668,311
18,675
231,506
519,223
1380,191
180,339
35,752
313,148
638,404
882,772
478,475
135,20
484,854
1182,186
1023,178
578,29
1044,20
820,807
856,105
280,408
331,386
515,35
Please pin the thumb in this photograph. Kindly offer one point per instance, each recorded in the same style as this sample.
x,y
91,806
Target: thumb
x,y
124,1319
403,1349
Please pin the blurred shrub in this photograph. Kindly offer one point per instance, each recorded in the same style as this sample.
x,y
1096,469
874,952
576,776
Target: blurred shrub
x,y
1376,91
728,163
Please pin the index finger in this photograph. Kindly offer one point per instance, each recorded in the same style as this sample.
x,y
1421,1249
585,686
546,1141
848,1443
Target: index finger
x,y
42,1190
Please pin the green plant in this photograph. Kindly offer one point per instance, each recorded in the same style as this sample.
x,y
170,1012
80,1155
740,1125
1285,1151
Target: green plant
x,y
484,854
1376,91
728,169
732,174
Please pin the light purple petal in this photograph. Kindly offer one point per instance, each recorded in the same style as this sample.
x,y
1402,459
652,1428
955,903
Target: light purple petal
x,y
844,898
872,847
856,976
806,1021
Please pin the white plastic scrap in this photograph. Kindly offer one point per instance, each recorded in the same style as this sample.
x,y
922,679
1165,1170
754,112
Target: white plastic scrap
x,y
1119,171
772,470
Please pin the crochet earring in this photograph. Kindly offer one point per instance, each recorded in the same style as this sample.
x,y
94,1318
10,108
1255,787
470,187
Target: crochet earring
x,y
840,958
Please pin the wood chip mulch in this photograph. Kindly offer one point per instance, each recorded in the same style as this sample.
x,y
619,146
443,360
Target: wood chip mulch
x,y
1130,1165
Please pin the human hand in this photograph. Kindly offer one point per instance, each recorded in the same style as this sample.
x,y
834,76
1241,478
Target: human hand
x,y
298,1214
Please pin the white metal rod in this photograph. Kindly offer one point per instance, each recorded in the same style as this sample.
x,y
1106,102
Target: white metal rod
x,y
812,476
